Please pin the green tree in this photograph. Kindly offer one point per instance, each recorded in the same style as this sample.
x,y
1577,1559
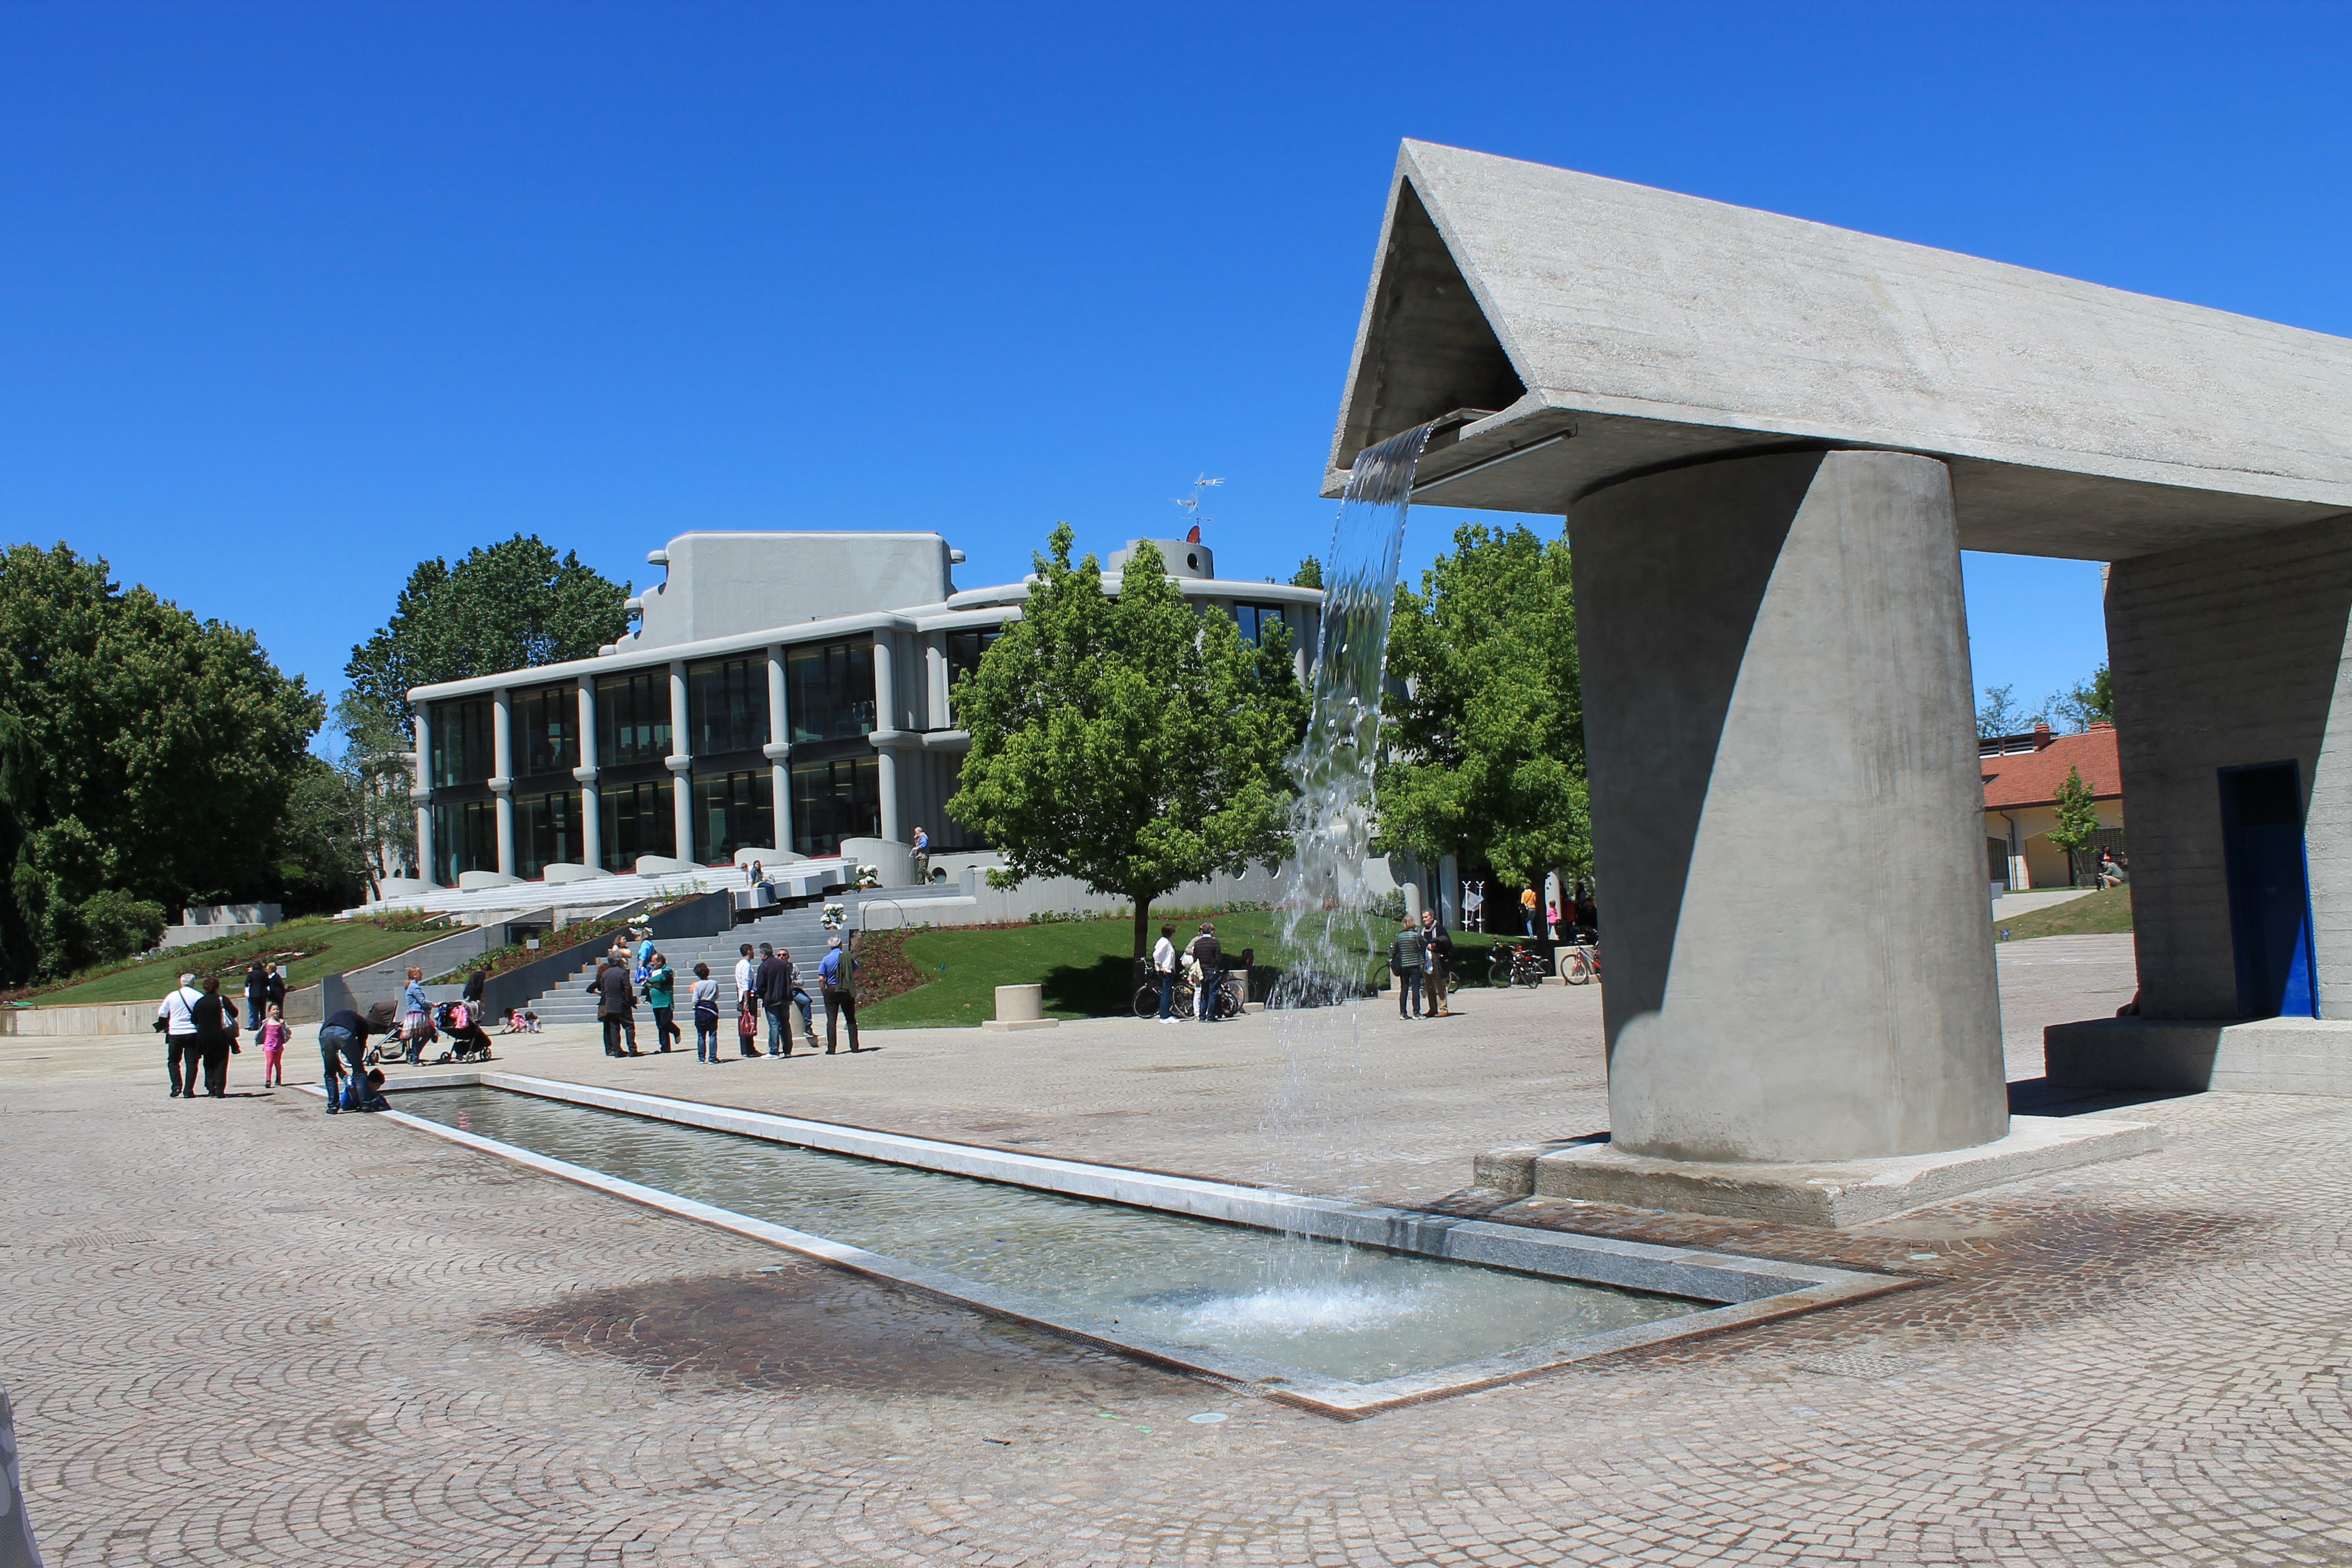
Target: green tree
x,y
1483,755
146,758
2084,703
508,606
2000,715
323,856
1127,743
1308,575
2078,818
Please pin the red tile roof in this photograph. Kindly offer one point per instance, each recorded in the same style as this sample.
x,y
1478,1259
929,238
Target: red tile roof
x,y
2032,778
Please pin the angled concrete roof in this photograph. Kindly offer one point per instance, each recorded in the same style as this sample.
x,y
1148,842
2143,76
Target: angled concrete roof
x,y
1623,328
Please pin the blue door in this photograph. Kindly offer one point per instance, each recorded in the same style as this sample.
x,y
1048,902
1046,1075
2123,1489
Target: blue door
x,y
2270,890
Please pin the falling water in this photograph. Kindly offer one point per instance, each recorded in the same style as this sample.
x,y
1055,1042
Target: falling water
x,y
1331,937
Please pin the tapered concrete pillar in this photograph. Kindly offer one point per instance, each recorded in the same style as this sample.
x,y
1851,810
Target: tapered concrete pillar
x,y
420,795
591,805
885,718
1785,811
779,749
680,763
502,776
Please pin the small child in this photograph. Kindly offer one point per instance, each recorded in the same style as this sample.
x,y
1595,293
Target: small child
x,y
274,1035
514,1023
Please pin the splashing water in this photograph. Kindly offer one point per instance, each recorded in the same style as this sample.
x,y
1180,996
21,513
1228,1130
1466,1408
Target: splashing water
x,y
1328,931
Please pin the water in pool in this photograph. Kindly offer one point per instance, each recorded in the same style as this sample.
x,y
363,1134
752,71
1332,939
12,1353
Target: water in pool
x,y
1361,1316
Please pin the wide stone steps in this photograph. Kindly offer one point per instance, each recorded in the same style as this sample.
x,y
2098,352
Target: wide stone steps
x,y
800,932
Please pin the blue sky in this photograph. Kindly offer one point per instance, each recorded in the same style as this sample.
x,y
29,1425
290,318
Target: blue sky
x,y
291,296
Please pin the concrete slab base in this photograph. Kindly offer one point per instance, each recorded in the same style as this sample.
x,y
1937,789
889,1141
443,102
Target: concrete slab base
x,y
1827,1196
1021,1023
2269,1056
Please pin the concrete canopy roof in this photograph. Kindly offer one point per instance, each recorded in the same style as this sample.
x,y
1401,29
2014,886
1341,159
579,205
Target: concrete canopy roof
x,y
1620,329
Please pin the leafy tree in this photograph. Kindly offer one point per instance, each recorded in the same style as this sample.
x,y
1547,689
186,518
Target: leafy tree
x,y
2078,818
2084,703
1127,743
322,858
504,606
146,757
376,775
1308,575
2000,714
1484,751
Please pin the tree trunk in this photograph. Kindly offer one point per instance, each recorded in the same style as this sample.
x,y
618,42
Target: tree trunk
x,y
1142,926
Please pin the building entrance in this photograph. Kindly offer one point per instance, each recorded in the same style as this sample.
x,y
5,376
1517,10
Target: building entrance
x,y
2270,890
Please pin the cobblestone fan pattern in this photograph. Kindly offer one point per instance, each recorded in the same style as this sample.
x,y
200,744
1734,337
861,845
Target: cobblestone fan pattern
x,y
240,1332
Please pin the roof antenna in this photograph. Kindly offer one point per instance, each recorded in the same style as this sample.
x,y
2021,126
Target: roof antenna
x,y
1192,503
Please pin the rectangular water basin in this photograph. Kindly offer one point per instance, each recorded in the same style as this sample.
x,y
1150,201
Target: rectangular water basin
x,y
1242,1284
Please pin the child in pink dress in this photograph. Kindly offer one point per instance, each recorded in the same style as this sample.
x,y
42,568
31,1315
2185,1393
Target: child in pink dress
x,y
274,1035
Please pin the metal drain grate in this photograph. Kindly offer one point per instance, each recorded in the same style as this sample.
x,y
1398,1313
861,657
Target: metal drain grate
x,y
1858,1363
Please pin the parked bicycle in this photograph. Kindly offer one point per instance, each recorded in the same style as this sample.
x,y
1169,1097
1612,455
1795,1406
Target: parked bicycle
x,y
1516,965
1182,995
1580,965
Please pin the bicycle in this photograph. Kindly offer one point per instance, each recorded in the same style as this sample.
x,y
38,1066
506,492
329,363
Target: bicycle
x,y
1580,965
1180,999
1514,965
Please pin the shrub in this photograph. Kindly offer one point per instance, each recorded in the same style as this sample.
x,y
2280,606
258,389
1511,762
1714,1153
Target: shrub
x,y
115,924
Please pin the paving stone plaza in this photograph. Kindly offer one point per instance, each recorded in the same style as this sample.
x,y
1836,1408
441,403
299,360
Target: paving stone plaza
x,y
241,1332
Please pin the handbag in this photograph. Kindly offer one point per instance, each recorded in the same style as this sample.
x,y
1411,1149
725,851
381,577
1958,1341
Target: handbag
x,y
746,1023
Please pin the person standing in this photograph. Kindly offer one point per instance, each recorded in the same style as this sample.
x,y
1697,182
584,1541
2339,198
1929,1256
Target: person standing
x,y
616,1007
215,1019
1204,950
1404,962
273,1034
256,992
838,977
277,997
747,969
799,990
1437,963
922,856
1163,965
415,1018
704,998
775,986
661,995
180,1051
1528,903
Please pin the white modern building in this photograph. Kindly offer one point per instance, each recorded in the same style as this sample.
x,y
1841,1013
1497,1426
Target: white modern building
x,y
784,695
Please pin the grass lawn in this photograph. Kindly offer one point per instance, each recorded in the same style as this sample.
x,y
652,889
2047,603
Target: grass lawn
x,y
328,946
2109,911
1083,965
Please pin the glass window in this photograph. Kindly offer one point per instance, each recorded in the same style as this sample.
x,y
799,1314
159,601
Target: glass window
x,y
548,831
636,820
731,812
460,738
834,800
1255,620
546,731
727,706
464,838
829,690
964,651
632,720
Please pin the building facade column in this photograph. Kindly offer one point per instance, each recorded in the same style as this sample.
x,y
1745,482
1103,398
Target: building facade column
x,y
886,718
502,776
779,749
591,805
681,766
1782,760
420,793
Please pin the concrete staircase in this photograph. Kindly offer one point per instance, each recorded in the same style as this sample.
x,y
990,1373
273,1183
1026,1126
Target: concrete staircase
x,y
800,931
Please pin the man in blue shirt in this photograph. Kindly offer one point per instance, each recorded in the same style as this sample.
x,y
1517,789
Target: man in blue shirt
x,y
838,976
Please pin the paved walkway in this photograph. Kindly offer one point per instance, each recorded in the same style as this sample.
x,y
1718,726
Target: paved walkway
x,y
240,1332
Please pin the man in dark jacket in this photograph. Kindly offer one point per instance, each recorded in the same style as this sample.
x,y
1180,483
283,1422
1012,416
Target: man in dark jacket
x,y
776,987
1206,952
1437,970
256,992
342,1057
276,994
1405,954
616,1007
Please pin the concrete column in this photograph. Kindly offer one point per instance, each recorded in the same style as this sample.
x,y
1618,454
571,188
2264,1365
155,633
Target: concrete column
x,y
591,813
421,793
779,749
1786,808
886,716
502,776
2225,654
681,765
935,681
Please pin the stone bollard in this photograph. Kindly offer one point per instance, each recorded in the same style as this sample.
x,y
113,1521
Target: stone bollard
x,y
1021,1007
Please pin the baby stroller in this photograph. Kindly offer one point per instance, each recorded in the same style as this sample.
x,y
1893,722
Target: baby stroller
x,y
467,1040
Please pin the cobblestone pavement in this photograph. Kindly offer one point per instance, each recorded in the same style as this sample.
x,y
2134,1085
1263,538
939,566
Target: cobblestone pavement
x,y
240,1332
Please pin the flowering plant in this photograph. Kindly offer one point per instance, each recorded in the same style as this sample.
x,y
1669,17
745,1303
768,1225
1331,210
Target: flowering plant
x,y
834,918
869,875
